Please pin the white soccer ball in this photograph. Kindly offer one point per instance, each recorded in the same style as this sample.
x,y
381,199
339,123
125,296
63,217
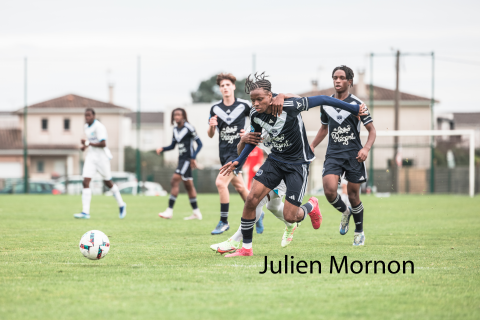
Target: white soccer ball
x,y
94,245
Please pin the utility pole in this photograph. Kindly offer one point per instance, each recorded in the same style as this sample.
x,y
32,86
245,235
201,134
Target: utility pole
x,y
396,111
370,178
432,146
25,151
138,158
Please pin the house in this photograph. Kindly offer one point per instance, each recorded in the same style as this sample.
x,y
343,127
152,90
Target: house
x,y
54,130
460,121
151,130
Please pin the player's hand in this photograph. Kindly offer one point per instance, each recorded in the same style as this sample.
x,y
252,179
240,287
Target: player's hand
x,y
213,121
193,163
228,168
159,150
313,148
363,111
252,138
82,142
277,105
83,148
362,155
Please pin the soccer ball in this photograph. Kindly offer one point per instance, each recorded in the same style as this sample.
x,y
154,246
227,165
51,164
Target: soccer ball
x,y
94,245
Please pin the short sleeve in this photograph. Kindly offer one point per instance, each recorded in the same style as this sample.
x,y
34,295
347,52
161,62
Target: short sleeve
x,y
366,119
101,133
193,133
323,116
254,127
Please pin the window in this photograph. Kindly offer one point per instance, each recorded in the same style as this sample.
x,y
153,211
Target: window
x,y
66,124
44,124
40,166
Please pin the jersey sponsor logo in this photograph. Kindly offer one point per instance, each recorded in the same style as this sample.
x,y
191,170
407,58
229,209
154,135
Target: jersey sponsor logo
x,y
342,135
280,143
181,149
259,172
229,134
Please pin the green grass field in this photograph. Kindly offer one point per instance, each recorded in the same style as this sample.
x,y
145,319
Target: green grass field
x,y
159,269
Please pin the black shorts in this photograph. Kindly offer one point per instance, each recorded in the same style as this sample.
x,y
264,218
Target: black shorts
x,y
184,169
272,172
228,157
355,172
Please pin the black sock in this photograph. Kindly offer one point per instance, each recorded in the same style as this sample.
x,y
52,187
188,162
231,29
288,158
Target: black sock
x,y
307,207
339,204
247,230
193,203
224,212
171,201
358,217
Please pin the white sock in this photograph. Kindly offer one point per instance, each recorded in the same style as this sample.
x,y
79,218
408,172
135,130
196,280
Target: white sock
x,y
238,235
345,199
86,199
275,206
247,245
117,195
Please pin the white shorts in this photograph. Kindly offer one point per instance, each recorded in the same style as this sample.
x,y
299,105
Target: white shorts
x,y
97,163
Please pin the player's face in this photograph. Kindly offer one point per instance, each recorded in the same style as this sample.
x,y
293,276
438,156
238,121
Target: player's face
x,y
89,117
261,100
340,81
227,88
178,117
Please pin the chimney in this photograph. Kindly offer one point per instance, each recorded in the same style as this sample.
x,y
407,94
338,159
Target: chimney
x,y
361,88
110,93
314,85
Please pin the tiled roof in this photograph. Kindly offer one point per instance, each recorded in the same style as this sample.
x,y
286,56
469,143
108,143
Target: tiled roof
x,y
379,93
146,117
11,139
72,101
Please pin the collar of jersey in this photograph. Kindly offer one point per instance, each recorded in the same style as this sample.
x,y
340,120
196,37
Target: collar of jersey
x,y
89,125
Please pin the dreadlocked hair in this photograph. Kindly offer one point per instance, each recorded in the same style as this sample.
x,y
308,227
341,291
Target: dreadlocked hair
x,y
258,82
348,73
184,114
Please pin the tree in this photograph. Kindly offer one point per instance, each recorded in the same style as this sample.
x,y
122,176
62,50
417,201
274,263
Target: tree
x,y
208,91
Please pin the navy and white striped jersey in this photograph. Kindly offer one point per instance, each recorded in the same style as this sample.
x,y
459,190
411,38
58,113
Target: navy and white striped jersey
x,y
288,138
343,129
184,137
231,119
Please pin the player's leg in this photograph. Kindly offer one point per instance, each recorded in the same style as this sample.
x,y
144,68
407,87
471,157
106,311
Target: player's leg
x,y
344,194
192,196
222,187
296,179
174,190
258,192
356,175
239,185
122,206
332,171
275,205
89,170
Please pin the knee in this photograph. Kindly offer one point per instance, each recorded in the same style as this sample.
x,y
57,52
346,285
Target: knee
x,y
252,202
220,184
330,194
174,182
239,187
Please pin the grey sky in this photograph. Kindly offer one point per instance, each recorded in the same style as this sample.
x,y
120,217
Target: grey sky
x,y
71,45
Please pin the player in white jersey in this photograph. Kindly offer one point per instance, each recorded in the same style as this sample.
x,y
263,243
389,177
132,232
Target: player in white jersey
x,y
273,200
97,160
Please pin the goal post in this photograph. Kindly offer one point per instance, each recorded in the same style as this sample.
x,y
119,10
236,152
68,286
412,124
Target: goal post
x,y
470,134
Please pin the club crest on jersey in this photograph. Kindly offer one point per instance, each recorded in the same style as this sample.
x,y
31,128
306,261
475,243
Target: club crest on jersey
x,y
259,172
339,117
229,119
274,131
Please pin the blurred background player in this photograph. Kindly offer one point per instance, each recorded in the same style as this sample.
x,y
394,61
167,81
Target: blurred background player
x,y
345,154
97,160
183,134
273,199
252,164
229,116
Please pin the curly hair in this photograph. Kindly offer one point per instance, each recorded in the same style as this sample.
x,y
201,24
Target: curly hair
x,y
184,114
348,73
258,82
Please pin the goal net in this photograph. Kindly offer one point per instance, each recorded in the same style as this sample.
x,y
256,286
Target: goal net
x,y
414,162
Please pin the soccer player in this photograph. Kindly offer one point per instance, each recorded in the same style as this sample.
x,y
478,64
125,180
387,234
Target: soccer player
x,y
97,160
345,153
183,134
228,116
273,199
289,160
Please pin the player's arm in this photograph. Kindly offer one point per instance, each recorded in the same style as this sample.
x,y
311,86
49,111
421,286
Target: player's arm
x,y
372,135
248,137
167,148
321,134
193,161
212,125
86,143
277,102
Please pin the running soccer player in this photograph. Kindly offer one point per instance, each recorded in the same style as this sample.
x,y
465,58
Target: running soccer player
x,y
229,116
97,160
183,134
289,160
345,153
273,199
